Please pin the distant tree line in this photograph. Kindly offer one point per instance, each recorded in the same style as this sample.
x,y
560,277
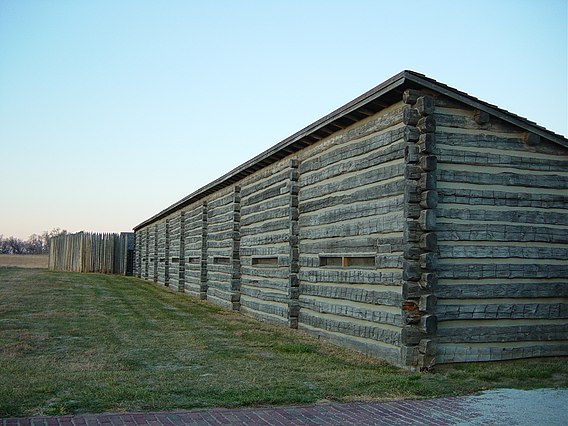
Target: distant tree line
x,y
35,244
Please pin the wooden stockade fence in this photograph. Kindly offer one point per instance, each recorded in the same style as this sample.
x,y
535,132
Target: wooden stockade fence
x,y
86,252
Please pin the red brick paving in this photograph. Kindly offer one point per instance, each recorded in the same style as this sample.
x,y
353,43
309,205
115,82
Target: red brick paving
x,y
442,411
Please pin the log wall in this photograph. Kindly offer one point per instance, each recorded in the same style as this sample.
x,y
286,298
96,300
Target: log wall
x,y
265,244
351,222
426,233
502,226
195,250
223,267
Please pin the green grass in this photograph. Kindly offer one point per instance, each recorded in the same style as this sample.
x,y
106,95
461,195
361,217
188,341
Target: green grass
x,y
72,343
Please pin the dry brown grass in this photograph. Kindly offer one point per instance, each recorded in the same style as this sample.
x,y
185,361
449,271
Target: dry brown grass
x,y
36,261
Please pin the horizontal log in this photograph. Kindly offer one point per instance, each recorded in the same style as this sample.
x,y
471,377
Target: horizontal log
x,y
446,154
260,181
246,252
220,198
488,251
342,162
367,193
352,211
502,289
250,209
392,222
355,294
501,198
263,294
361,276
264,316
362,244
268,193
361,311
266,215
504,310
503,270
472,352
497,232
453,211
280,284
362,329
280,272
354,181
498,333
497,177
273,308
389,123
480,139
220,301
216,218
368,347
272,226
270,238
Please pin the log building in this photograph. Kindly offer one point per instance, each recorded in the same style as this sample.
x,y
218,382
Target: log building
x,y
417,224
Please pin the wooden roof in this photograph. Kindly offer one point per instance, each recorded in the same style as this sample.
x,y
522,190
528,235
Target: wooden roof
x,y
369,103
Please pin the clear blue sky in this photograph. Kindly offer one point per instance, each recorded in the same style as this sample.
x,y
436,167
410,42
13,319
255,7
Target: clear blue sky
x,y
110,111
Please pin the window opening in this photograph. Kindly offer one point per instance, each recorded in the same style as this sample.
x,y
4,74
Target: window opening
x,y
348,261
265,261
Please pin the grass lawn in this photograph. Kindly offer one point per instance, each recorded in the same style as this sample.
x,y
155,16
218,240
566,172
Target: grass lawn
x,y
72,343
39,261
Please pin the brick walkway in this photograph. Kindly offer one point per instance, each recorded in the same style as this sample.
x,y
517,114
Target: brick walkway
x,y
443,411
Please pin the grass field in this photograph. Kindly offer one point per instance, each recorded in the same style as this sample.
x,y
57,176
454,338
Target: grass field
x,y
73,343
38,261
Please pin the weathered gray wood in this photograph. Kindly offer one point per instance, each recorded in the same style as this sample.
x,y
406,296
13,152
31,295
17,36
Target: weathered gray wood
x,y
352,211
531,139
410,96
509,159
456,251
368,347
264,283
362,276
481,117
470,270
276,225
378,224
410,116
277,175
425,105
368,193
427,124
504,310
273,308
355,294
280,272
249,209
473,352
383,147
499,333
344,326
360,311
501,198
450,211
496,232
362,244
503,289
362,163
264,216
514,142
263,316
373,175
